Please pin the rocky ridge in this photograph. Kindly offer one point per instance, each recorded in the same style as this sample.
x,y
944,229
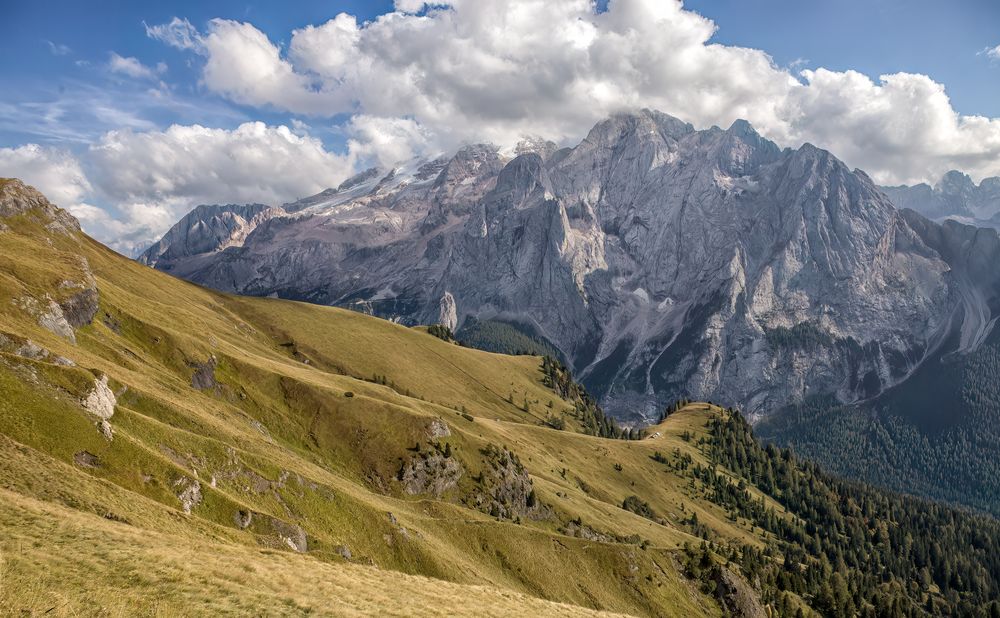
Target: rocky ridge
x,y
955,196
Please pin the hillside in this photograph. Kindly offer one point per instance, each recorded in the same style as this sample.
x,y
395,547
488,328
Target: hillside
x,y
168,449
297,440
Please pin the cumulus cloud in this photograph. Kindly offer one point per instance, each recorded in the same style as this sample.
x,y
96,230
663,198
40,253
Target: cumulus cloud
x,y
152,178
493,71
992,52
251,163
131,67
56,173
409,6
386,141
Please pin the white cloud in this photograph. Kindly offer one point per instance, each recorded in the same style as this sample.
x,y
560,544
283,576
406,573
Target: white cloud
x,y
178,33
409,6
493,71
992,52
58,49
243,65
386,141
56,173
155,177
194,164
131,67
152,178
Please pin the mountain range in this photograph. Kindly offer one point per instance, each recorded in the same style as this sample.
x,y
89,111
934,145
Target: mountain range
x,y
955,196
660,261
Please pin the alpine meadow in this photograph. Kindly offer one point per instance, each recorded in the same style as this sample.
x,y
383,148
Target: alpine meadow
x,y
650,308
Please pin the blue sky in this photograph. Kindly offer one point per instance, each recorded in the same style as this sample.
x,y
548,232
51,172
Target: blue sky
x,y
131,113
933,37
41,57
48,60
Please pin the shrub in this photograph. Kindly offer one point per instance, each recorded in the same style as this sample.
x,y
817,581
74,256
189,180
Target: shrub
x,y
639,507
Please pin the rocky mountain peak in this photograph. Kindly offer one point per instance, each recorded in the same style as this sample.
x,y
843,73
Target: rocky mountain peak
x,y
742,151
206,229
520,178
955,182
470,161
640,125
369,174
956,196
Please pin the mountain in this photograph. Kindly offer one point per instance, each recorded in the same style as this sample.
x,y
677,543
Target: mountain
x,y
167,449
660,261
955,196
207,229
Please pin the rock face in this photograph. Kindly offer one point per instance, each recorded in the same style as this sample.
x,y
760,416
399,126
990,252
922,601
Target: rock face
x,y
74,303
101,402
430,473
660,260
505,488
17,198
736,596
203,377
53,319
79,309
188,492
206,230
955,196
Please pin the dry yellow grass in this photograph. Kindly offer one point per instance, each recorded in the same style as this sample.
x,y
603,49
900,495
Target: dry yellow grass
x,y
56,561
279,437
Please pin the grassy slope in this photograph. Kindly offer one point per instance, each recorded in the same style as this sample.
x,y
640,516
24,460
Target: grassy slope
x,y
279,437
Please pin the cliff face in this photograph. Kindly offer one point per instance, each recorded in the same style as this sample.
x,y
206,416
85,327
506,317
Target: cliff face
x,y
662,261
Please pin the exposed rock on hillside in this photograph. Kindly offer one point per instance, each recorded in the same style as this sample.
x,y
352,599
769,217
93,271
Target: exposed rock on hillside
x,y
736,597
80,308
188,492
505,489
203,377
53,319
101,403
430,473
17,198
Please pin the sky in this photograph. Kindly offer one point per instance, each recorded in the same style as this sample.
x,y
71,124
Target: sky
x,y
130,114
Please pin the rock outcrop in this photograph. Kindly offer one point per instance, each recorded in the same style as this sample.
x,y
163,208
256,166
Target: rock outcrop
x,y
206,230
101,402
17,198
73,303
431,473
504,488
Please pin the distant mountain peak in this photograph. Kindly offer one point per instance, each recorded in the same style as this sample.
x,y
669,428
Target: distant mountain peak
x,y
955,195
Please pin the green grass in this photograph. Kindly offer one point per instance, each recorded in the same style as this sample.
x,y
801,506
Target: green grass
x,y
277,436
